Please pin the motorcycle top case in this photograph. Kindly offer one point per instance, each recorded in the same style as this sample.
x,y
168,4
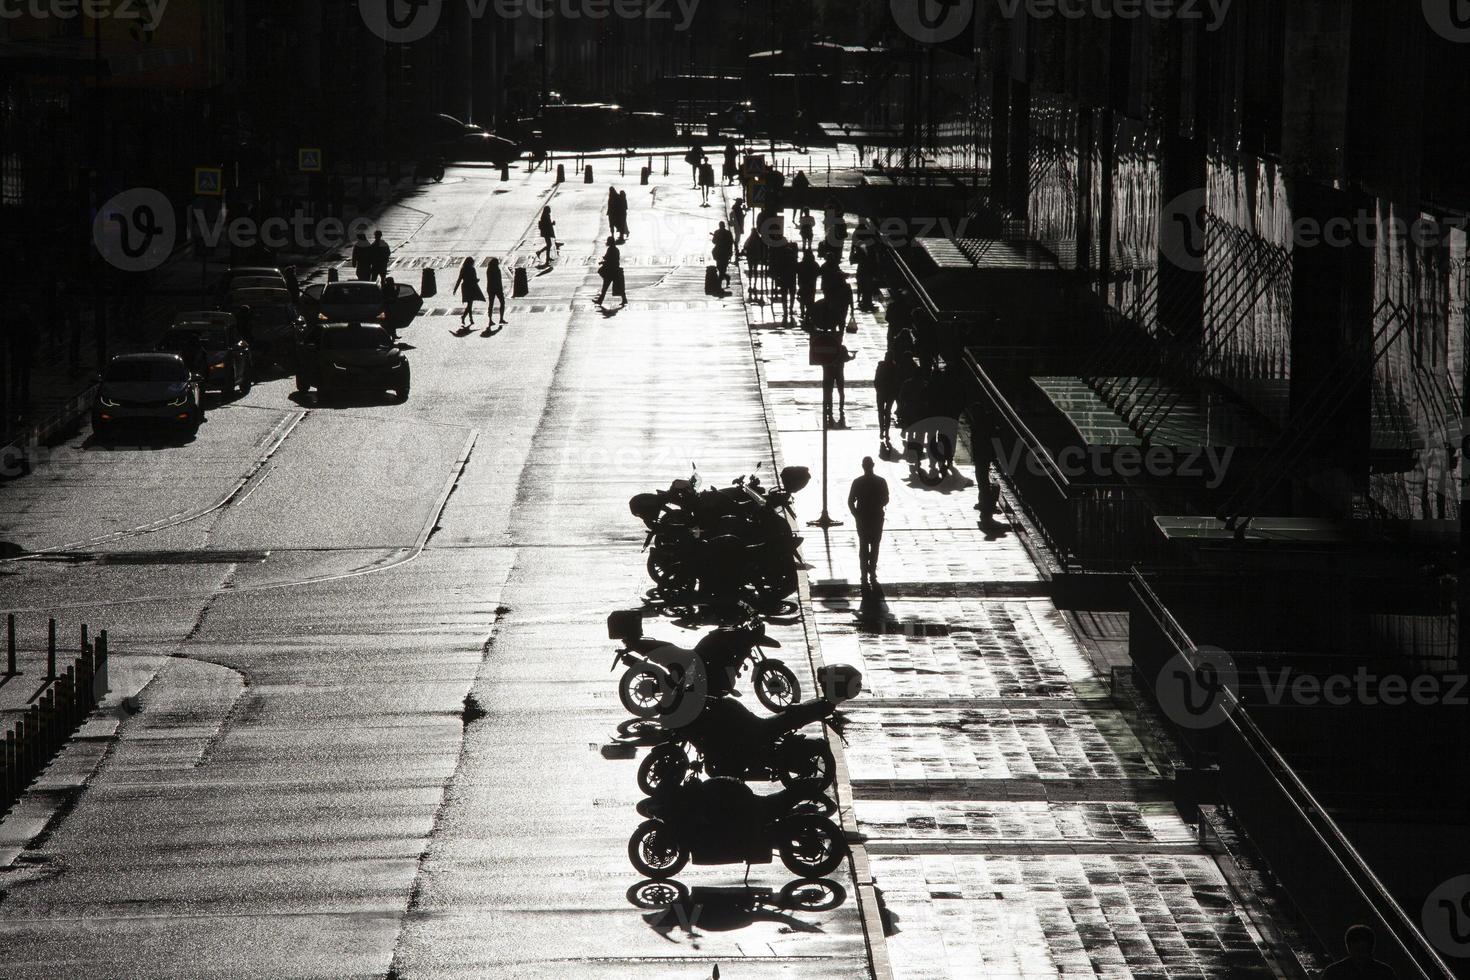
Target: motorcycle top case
x,y
795,478
625,624
839,682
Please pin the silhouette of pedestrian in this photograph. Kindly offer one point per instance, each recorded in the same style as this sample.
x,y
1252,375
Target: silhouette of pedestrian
x,y
468,285
867,276
546,227
732,163
807,274
706,181
611,271
783,259
834,375
886,382
623,215
381,254
495,286
293,287
694,158
867,501
800,184
723,251
982,451
1359,963
808,226
362,258
737,218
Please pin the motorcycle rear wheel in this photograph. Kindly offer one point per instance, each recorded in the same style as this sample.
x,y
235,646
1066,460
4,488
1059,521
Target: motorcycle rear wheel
x,y
776,686
809,760
645,693
655,853
663,769
810,846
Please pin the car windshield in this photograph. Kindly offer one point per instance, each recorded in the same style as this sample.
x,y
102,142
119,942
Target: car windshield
x,y
212,338
169,370
363,337
352,292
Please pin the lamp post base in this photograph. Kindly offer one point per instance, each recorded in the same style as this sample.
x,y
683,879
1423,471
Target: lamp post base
x,y
824,522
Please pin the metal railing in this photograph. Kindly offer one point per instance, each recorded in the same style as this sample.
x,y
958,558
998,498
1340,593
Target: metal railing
x,y
1320,869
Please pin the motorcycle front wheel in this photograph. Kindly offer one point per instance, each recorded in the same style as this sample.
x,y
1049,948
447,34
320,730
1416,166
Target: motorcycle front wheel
x,y
655,853
663,769
776,686
808,760
810,846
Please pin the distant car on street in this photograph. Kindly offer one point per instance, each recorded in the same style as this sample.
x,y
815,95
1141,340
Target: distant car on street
x,y
361,302
334,357
269,321
211,344
237,274
156,388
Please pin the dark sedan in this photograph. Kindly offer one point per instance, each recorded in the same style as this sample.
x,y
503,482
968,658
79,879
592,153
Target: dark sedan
x,y
211,344
157,388
350,357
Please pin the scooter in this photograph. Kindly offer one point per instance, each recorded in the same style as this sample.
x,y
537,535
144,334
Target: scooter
x,y
659,673
722,821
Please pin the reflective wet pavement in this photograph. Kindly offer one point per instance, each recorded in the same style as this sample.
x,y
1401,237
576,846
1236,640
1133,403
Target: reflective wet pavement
x,y
1014,826
303,598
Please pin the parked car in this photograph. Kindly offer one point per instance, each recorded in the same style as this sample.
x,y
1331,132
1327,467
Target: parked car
x,y
156,388
353,301
335,357
211,344
234,275
269,321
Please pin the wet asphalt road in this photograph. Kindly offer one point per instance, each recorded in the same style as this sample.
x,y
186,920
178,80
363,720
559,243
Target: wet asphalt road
x,y
302,598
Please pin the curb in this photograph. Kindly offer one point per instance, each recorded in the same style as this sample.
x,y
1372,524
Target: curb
x,y
867,897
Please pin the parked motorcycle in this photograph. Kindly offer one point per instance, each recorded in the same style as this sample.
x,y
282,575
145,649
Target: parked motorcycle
x,y
728,739
659,673
723,545
722,821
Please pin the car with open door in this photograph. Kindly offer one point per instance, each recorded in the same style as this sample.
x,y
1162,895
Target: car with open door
x,y
342,357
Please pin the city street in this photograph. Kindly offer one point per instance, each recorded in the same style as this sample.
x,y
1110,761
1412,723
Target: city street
x,y
313,592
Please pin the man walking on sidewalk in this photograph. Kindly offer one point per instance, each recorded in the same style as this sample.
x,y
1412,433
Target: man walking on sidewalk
x,y
867,500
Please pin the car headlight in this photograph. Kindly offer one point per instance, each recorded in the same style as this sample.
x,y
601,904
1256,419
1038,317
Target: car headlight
x,y
181,400
217,367
383,316
322,317
108,402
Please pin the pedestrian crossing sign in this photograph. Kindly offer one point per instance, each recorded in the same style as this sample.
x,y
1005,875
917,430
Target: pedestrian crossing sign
x,y
309,160
209,181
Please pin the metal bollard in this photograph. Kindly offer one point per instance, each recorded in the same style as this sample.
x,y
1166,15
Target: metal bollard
x,y
666,164
51,650
99,669
86,645
332,274
10,670
587,174
643,178
561,173
505,171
